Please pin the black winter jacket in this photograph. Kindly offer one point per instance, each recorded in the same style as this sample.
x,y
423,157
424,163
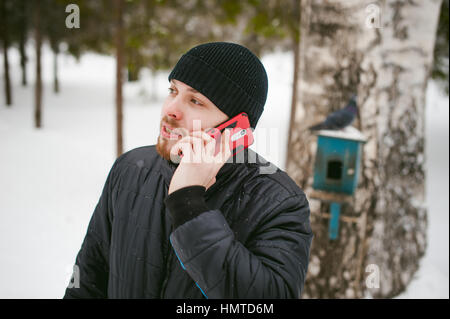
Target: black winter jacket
x,y
250,240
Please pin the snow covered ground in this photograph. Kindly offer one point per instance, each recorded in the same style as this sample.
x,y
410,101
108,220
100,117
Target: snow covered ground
x,y
52,178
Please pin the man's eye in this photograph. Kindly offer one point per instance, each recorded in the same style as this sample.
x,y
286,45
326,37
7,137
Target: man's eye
x,y
171,90
196,102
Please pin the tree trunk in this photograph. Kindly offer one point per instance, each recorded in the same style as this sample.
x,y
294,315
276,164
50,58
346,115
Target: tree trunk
x,y
8,94
22,42
23,58
38,85
55,71
132,73
384,54
5,44
295,83
119,76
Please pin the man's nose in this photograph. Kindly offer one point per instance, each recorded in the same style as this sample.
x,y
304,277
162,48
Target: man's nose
x,y
174,108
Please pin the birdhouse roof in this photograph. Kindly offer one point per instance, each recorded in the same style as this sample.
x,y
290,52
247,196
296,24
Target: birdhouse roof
x,y
348,133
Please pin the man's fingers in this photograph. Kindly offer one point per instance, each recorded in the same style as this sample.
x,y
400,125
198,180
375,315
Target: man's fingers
x,y
226,141
209,142
202,144
194,141
210,148
225,150
197,144
205,136
182,146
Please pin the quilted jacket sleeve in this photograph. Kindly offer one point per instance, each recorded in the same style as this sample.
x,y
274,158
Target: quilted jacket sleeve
x,y
272,264
90,276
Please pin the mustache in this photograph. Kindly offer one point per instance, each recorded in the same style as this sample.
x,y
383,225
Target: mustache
x,y
177,129
169,123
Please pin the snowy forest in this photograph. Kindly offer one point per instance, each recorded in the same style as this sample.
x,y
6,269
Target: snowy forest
x,y
83,82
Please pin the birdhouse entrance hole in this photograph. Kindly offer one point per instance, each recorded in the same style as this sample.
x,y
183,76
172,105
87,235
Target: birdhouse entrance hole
x,y
334,170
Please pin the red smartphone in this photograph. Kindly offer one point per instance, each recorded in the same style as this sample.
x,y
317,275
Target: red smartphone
x,y
241,136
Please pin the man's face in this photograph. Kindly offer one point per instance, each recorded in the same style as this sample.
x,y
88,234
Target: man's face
x,y
182,106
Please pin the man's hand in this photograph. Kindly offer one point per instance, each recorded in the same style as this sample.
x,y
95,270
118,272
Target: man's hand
x,y
199,165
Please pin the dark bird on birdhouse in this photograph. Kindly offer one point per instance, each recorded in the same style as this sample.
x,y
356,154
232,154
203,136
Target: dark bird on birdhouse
x,y
338,119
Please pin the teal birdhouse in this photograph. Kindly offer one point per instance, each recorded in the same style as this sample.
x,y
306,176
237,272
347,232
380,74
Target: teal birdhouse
x,y
336,169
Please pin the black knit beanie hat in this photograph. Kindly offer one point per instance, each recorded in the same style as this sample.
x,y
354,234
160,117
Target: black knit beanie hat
x,y
228,74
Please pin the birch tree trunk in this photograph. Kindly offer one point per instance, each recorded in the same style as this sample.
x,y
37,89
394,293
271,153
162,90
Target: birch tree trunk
x,y
295,80
383,52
